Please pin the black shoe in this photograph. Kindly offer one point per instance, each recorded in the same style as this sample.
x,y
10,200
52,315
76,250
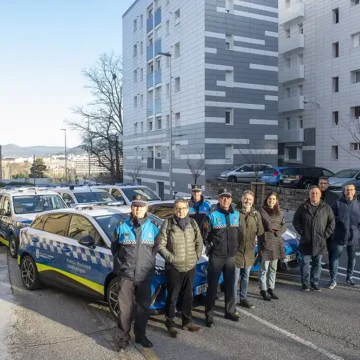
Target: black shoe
x,y
315,287
246,304
305,287
351,283
123,344
232,317
173,332
272,294
209,321
265,296
144,341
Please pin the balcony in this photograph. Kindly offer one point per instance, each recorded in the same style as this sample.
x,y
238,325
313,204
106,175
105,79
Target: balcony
x,y
296,42
294,13
157,76
150,80
291,136
149,52
157,46
150,109
149,23
295,103
292,74
157,17
157,106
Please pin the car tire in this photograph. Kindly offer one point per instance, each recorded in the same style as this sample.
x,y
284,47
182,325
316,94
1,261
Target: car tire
x,y
29,273
232,179
307,185
112,297
13,246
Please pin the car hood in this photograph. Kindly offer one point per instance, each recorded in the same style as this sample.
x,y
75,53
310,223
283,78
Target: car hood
x,y
25,218
338,181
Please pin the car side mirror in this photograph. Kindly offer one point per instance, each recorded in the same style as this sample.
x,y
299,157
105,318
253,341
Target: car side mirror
x,y
87,241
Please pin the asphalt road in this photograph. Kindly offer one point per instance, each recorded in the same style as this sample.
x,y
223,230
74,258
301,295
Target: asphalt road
x,y
51,323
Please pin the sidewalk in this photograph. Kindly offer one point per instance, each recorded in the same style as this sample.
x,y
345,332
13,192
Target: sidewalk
x,y
6,307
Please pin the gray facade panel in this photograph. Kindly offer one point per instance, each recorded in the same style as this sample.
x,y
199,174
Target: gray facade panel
x,y
308,157
310,137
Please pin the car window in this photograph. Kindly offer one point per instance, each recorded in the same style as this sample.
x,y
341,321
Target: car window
x,y
269,170
56,224
80,227
148,193
5,205
117,195
162,211
246,168
39,222
108,223
93,197
347,173
290,171
27,204
68,199
327,173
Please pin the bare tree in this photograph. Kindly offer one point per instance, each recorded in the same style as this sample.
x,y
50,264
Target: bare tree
x,y
135,172
100,122
196,164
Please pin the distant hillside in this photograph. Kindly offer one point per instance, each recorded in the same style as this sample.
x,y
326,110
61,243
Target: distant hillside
x,y
12,150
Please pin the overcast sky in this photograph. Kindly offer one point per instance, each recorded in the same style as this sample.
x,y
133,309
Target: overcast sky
x,y
44,44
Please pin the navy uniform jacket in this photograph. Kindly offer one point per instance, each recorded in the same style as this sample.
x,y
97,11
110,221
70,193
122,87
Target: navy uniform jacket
x,y
199,212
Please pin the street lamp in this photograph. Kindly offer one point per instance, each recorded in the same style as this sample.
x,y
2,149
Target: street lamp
x,y
66,172
88,144
168,54
115,138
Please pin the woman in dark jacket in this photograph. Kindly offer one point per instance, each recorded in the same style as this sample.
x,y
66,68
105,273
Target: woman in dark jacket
x,y
271,245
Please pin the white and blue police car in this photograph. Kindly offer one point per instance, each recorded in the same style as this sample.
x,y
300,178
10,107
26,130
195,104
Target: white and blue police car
x,y
70,248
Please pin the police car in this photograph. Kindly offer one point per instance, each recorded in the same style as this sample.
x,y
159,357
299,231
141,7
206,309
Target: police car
x,y
19,207
70,248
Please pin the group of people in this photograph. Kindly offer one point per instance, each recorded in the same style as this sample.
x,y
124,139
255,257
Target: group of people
x,y
229,235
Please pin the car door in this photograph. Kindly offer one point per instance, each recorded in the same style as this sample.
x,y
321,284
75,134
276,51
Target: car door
x,y
6,221
2,225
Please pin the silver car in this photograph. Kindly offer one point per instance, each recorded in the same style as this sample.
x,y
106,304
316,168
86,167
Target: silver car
x,y
244,173
337,181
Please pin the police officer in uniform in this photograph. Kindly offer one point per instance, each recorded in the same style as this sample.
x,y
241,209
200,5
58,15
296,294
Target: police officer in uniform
x,y
134,252
199,208
221,243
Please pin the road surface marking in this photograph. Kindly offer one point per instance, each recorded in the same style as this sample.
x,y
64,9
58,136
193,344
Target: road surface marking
x,y
355,271
296,338
341,274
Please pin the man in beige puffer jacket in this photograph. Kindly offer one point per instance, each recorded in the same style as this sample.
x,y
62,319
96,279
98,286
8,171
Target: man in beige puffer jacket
x,y
180,243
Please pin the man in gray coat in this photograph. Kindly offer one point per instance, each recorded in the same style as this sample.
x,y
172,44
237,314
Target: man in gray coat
x,y
180,244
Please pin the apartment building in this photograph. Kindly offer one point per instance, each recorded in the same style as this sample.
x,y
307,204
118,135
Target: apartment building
x,y
221,97
319,82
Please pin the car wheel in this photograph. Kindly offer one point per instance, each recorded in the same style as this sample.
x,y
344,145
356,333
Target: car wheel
x,y
307,185
29,273
13,246
112,297
232,179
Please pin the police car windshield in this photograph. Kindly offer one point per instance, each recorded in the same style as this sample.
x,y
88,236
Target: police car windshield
x,y
27,204
108,223
148,193
93,197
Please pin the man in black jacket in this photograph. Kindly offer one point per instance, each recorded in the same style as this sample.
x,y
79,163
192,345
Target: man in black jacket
x,y
329,198
315,222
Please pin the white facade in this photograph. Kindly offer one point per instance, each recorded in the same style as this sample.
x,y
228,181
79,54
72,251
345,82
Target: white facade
x,y
319,53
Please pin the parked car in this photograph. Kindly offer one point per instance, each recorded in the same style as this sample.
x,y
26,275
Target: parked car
x,y
71,248
272,176
244,173
18,208
302,177
337,181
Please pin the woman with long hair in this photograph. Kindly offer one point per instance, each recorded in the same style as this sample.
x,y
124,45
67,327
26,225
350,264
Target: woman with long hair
x,y
271,245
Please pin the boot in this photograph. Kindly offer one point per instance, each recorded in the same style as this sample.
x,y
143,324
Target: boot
x,y
265,296
209,321
272,294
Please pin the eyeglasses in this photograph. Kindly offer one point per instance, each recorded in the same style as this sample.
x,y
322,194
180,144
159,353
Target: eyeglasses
x,y
323,183
181,209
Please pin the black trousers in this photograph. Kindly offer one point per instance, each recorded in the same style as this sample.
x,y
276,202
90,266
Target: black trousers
x,y
134,302
330,250
216,265
179,283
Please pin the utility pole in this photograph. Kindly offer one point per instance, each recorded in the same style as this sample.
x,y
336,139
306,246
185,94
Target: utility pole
x,y
89,149
34,170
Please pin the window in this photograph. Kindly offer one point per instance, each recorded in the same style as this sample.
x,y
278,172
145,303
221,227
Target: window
x,y
228,152
141,74
167,61
177,151
287,33
135,128
177,50
68,199
335,152
117,195
177,16
301,59
168,121
158,33
229,6
335,117
287,124
177,119
301,122
336,49
288,62
80,227
39,222
300,89
288,92
158,63
141,47
177,84
335,83
141,127
135,75
135,101
229,117
158,152
56,224
142,100
168,90
355,40
150,11
301,28
135,24
135,49
229,78
158,123
167,27
355,76
355,146
141,21
150,125
355,2
355,112
229,42
336,16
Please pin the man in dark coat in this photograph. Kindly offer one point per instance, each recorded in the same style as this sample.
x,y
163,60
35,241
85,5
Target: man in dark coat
x,y
346,234
315,222
329,198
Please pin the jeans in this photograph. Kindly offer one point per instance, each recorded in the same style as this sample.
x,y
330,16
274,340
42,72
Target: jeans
x,y
243,274
267,274
337,251
310,276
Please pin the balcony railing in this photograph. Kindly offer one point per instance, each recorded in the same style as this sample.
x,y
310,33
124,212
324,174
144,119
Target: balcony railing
x,y
157,17
150,109
295,12
294,103
292,135
150,80
157,106
157,76
293,73
149,52
150,23
295,42
157,46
